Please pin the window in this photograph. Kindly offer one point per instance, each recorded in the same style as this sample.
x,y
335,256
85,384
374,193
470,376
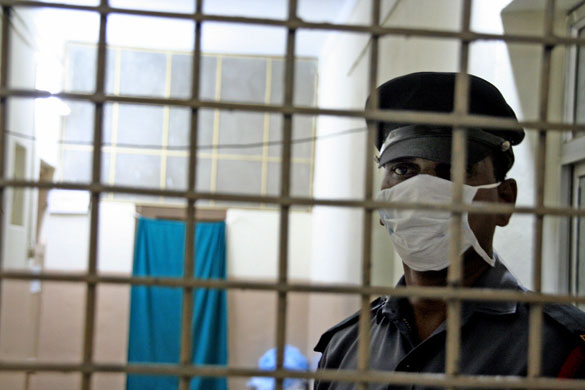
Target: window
x,y
148,146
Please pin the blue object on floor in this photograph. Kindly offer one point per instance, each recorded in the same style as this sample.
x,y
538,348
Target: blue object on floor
x,y
293,360
155,312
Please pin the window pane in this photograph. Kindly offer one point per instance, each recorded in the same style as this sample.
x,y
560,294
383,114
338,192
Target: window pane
x,y
243,177
181,73
303,132
82,67
77,165
305,82
180,125
243,80
138,170
142,73
300,179
139,124
78,125
177,171
240,128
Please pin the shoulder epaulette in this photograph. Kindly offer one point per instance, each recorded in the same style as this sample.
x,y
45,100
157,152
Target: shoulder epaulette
x,y
569,317
354,318
573,320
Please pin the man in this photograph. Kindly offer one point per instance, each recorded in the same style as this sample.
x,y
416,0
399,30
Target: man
x,y
408,334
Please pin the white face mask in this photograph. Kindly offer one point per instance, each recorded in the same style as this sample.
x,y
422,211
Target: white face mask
x,y
421,237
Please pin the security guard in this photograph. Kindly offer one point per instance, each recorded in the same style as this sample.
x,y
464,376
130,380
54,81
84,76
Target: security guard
x,y
408,334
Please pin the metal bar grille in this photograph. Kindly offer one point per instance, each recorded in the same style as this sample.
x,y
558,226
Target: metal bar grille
x,y
285,184
462,381
189,260
459,157
535,322
454,294
365,317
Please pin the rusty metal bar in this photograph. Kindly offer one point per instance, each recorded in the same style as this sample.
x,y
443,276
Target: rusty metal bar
x,y
535,317
421,379
186,352
300,24
476,208
466,294
90,298
365,315
458,163
438,119
285,175
4,64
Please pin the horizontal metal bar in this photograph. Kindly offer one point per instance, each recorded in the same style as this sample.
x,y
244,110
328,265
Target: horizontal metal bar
x,y
300,24
474,208
438,119
445,293
420,379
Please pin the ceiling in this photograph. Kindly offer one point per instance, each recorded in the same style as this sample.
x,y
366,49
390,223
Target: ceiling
x,y
527,5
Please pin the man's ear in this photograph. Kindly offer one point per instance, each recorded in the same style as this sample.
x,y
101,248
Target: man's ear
x,y
507,193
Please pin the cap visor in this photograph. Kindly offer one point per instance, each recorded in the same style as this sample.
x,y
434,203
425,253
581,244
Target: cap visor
x,y
436,149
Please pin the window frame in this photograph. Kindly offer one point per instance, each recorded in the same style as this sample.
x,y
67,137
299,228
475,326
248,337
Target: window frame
x,y
578,171
572,154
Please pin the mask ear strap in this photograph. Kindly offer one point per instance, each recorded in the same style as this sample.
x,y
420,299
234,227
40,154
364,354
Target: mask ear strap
x,y
488,186
474,243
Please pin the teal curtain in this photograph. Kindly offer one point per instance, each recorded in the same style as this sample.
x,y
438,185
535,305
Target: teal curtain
x,y
155,312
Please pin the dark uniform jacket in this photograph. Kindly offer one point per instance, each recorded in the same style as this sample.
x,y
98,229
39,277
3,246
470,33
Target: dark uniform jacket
x,y
494,339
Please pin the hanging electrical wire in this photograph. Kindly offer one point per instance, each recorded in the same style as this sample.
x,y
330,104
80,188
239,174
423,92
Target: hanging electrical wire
x,y
200,147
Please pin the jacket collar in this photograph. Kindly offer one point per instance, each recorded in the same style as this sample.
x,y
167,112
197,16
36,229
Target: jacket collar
x,y
496,277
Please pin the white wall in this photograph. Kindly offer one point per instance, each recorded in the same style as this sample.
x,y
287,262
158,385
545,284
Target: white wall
x,y
253,244
67,239
252,241
526,66
18,239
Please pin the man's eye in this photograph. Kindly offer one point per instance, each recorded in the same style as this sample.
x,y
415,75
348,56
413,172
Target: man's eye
x,y
402,169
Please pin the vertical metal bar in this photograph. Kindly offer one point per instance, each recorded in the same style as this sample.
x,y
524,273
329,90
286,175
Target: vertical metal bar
x,y
285,173
458,162
5,50
189,261
90,298
535,324
364,325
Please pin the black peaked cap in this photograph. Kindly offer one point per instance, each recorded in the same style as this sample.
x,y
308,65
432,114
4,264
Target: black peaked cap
x,y
434,92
